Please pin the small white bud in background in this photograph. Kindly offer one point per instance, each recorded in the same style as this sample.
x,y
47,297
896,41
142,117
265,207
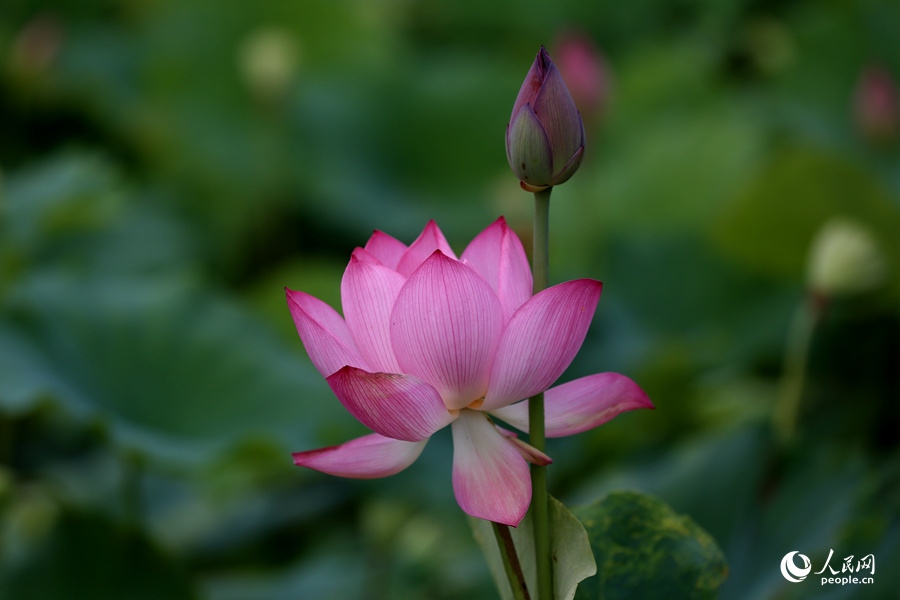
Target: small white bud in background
x,y
267,60
845,259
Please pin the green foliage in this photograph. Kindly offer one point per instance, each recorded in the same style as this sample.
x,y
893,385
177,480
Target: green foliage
x,y
645,549
123,564
109,344
570,549
803,187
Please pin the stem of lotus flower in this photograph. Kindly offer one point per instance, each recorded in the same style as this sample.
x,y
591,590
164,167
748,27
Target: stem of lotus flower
x,y
541,241
793,379
6,440
539,501
511,563
131,488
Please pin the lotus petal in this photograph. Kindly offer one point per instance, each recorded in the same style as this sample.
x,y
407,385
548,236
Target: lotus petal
x,y
368,293
445,328
498,256
367,457
581,404
490,477
402,407
540,341
325,335
528,149
388,250
431,239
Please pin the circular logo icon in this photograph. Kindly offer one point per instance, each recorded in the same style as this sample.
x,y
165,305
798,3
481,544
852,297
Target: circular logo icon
x,y
790,570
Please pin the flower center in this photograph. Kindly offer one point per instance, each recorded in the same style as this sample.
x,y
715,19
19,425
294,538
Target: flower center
x,y
476,404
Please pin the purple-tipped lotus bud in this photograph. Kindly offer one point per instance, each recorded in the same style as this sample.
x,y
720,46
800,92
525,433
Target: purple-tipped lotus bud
x,y
545,135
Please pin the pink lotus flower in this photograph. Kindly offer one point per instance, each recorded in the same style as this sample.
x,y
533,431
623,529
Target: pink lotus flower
x,y
429,340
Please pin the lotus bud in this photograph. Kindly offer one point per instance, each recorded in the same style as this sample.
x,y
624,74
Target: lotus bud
x,y
845,259
36,46
585,69
877,106
545,135
267,60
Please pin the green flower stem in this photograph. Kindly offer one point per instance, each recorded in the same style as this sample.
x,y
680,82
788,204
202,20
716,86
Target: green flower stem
x,y
511,562
539,502
132,479
6,439
796,356
541,240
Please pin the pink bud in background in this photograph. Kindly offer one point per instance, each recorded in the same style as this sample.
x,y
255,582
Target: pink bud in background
x,y
586,73
877,106
36,45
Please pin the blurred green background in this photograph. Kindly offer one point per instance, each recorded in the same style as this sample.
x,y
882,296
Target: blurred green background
x,y
167,167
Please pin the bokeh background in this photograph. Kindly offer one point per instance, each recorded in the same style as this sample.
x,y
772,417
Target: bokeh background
x,y
168,166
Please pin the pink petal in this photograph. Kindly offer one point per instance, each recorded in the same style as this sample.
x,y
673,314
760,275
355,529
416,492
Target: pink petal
x,y
528,452
325,335
540,341
367,457
402,407
386,249
429,240
363,255
368,293
445,328
498,256
490,477
581,404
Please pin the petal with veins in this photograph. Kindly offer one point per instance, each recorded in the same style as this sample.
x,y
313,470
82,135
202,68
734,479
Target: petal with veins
x,y
528,452
363,255
367,457
445,328
581,404
368,293
540,341
402,407
325,335
498,256
388,250
490,477
429,240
